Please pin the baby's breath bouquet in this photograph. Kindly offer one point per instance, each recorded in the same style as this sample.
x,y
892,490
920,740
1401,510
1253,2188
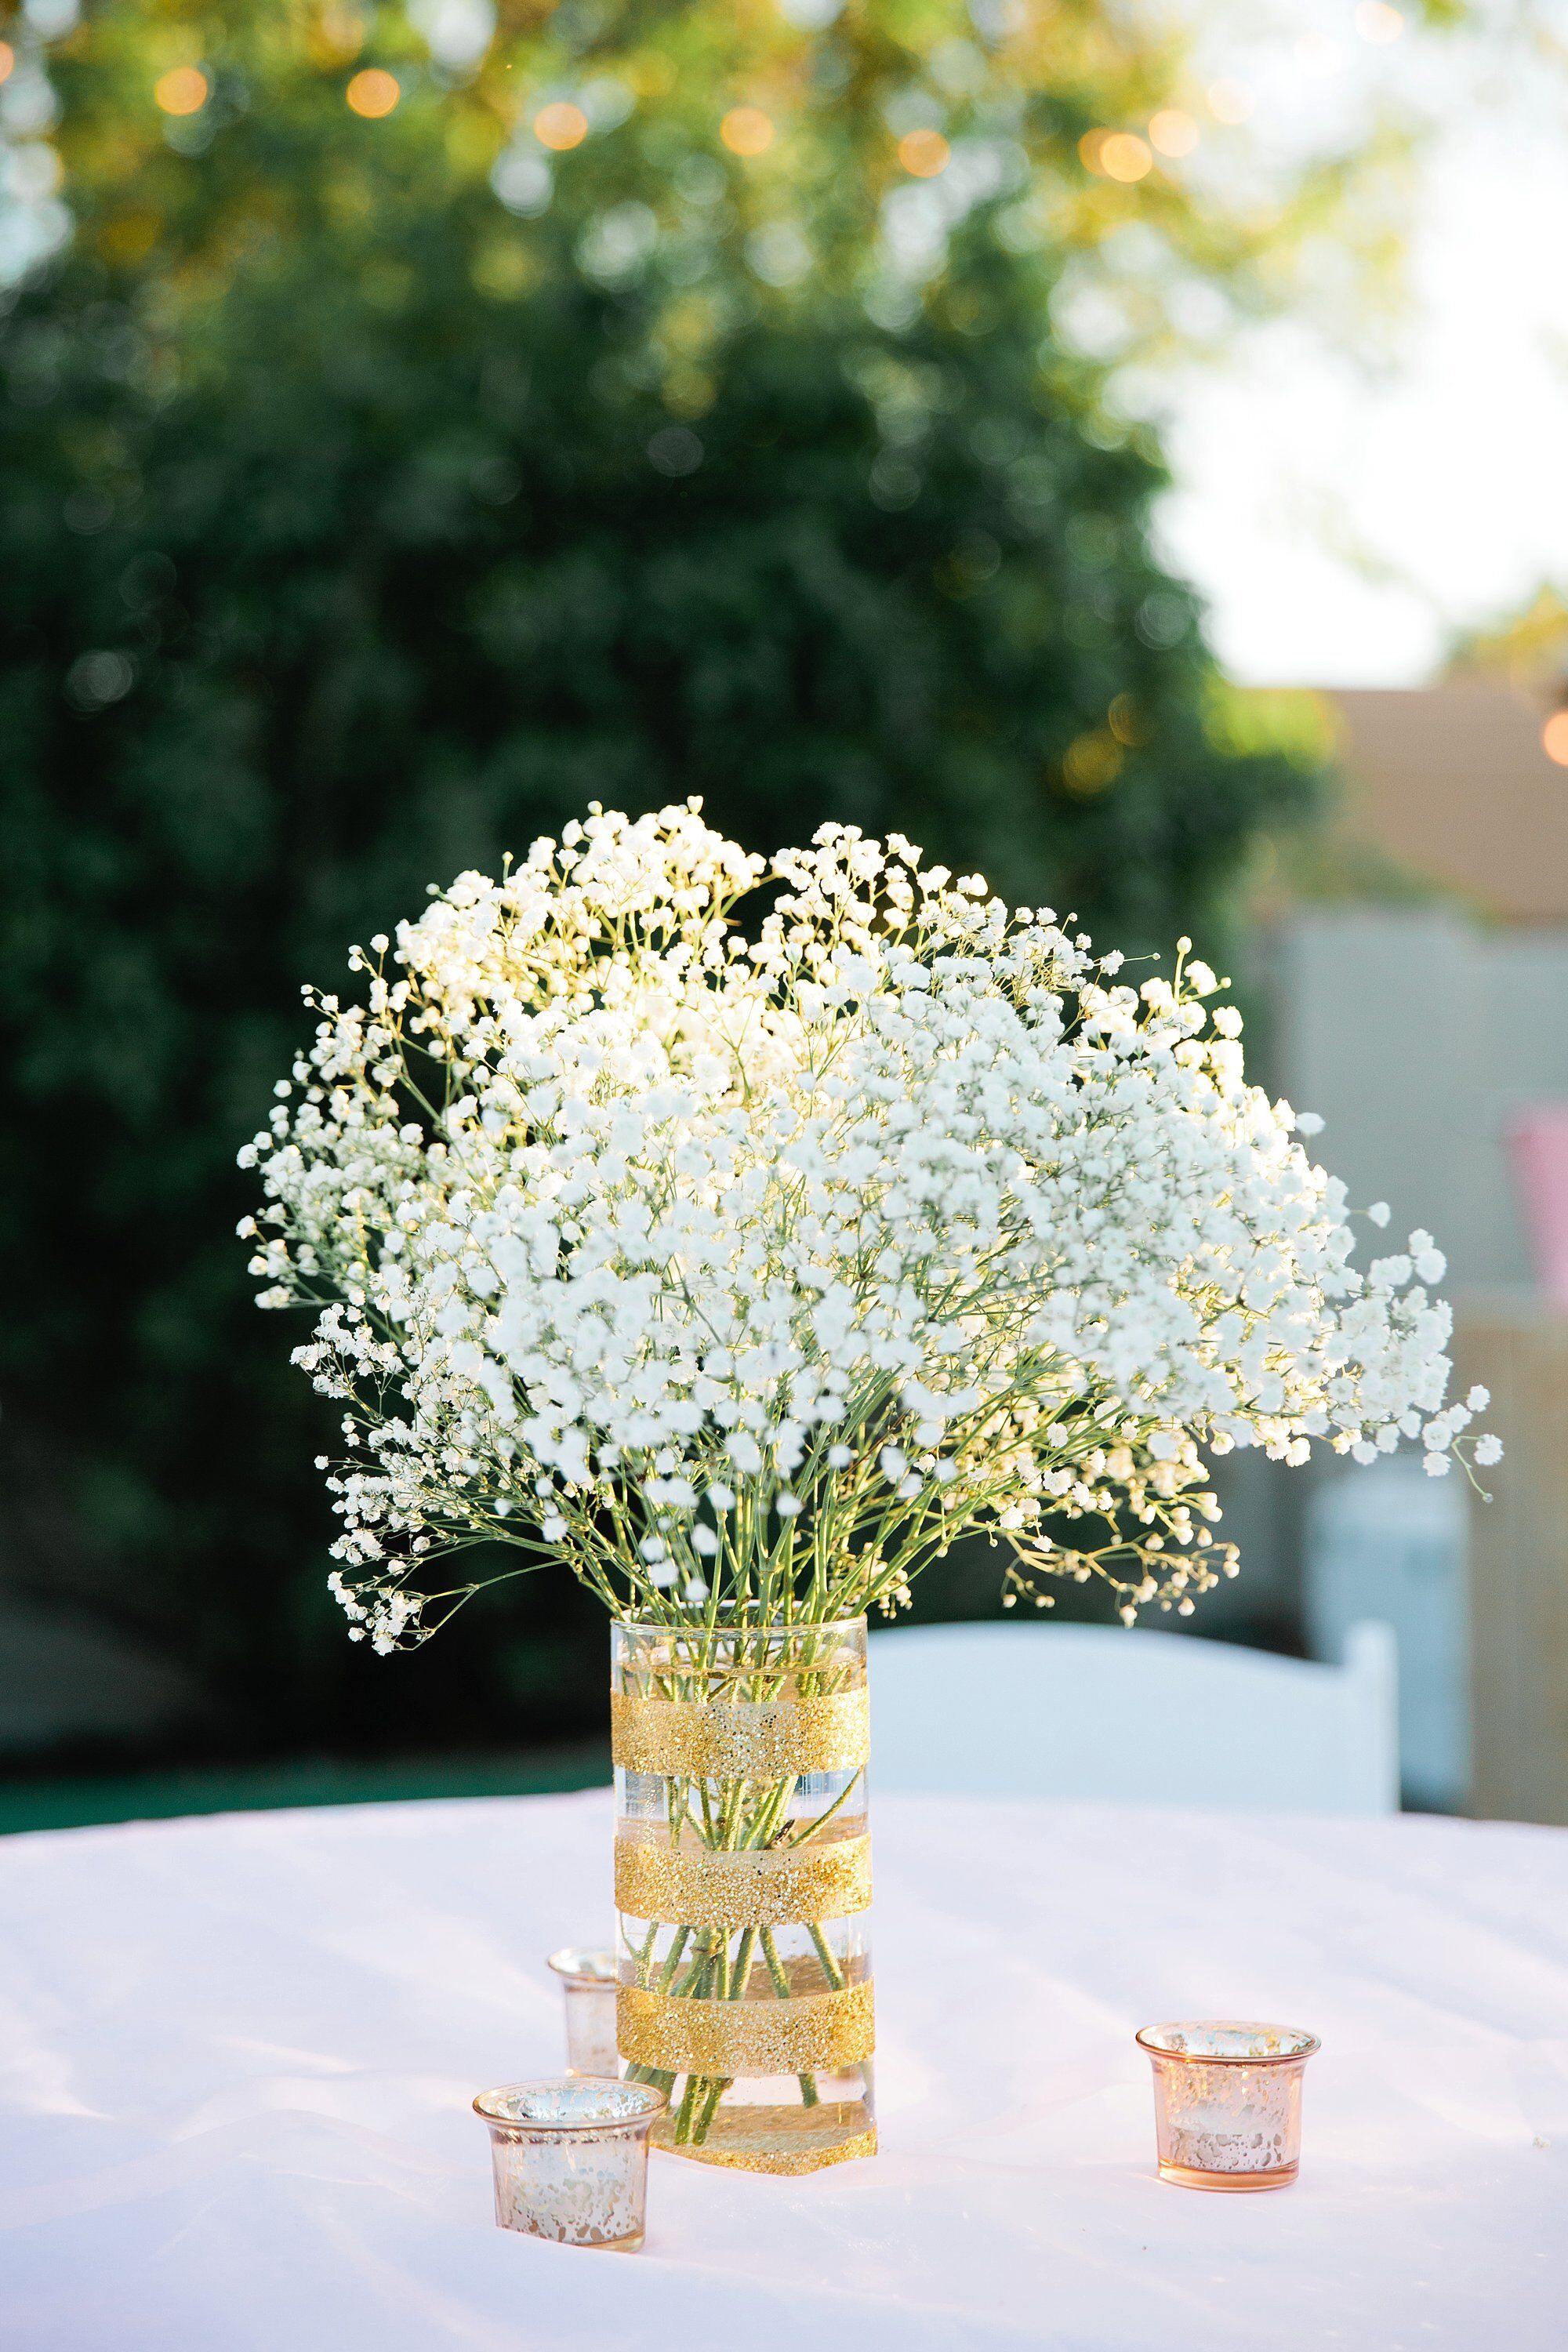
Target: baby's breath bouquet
x,y
751,1271
742,1266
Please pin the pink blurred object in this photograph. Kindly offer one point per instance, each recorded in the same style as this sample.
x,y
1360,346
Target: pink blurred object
x,y
1538,1139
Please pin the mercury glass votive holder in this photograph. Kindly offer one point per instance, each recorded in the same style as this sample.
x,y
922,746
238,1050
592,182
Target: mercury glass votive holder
x,y
571,2159
588,1984
1227,2102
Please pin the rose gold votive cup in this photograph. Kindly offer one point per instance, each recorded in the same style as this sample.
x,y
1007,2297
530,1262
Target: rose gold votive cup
x,y
1227,2102
588,1984
571,2159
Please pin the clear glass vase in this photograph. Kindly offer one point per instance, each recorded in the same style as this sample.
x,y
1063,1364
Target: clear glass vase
x,y
744,1887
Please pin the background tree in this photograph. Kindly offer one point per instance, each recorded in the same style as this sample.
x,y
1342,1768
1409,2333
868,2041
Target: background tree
x,y
419,433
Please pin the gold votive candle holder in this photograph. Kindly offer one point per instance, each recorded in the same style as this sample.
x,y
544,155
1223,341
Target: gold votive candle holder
x,y
588,1984
1227,2102
571,2159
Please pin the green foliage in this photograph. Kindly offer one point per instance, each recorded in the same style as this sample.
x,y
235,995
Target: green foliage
x,y
355,530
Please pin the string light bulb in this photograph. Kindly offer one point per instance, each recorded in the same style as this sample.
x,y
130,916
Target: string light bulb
x,y
1173,132
1376,21
747,131
184,90
1124,156
561,126
373,93
924,153
1230,101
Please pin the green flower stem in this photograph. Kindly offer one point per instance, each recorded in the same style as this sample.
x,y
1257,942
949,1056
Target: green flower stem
x,y
830,1968
734,1978
811,1828
775,1966
672,1958
653,2075
808,2091
683,2120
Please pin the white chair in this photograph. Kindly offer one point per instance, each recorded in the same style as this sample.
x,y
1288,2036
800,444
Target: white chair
x,y
1031,1710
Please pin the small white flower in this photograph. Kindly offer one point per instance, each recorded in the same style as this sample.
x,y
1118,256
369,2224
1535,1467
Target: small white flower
x,y
1487,1450
1380,1213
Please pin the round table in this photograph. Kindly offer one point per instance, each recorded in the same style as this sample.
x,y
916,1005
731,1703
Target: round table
x,y
236,2057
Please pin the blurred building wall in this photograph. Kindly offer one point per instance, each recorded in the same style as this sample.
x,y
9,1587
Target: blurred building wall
x,y
1417,1034
1454,783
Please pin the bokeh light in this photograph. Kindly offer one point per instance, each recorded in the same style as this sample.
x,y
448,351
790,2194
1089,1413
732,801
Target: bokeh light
x,y
923,152
1316,54
561,125
747,131
7,60
1092,763
342,32
1124,720
1125,156
373,93
1230,101
1376,21
1173,132
181,91
1554,737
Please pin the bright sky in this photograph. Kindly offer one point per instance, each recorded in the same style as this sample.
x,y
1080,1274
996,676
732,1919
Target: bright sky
x,y
1344,517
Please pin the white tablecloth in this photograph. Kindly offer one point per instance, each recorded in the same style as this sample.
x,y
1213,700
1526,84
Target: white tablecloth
x,y
237,2055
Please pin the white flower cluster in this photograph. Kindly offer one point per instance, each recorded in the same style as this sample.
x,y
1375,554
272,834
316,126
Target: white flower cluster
x,y
753,1269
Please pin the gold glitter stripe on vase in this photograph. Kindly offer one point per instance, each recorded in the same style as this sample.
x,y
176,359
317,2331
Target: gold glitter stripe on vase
x,y
817,2033
706,1739
731,1891
777,2139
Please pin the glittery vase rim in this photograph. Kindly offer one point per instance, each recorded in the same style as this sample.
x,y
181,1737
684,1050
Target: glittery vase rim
x,y
584,1965
1161,2042
731,1618
586,2103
